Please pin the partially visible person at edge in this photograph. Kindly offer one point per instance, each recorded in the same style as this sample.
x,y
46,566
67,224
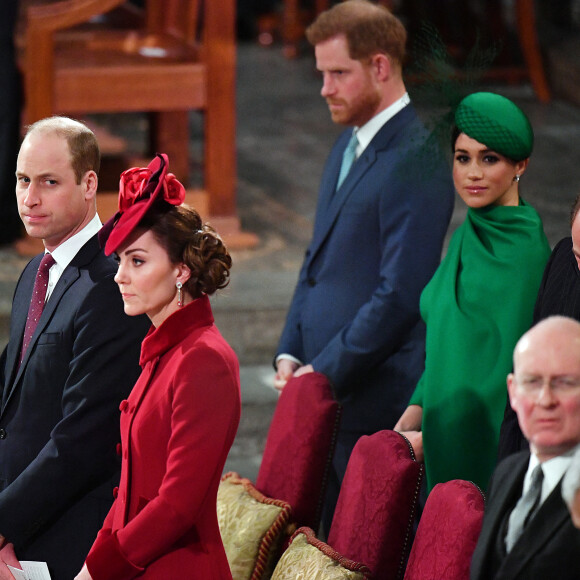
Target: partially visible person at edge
x,y
180,420
559,294
10,119
62,384
378,233
481,298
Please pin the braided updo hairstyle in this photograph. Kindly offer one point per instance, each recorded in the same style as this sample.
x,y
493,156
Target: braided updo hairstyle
x,y
186,239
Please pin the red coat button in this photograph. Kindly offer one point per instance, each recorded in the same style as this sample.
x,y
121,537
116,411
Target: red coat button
x,y
123,406
115,492
118,448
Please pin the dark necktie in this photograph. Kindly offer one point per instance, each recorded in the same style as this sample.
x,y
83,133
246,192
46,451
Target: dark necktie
x,y
37,301
525,508
348,158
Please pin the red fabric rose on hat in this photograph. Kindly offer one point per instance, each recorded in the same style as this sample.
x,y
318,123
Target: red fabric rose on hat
x,y
131,186
140,188
173,190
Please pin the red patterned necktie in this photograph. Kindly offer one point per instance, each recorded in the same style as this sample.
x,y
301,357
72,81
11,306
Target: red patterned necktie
x,y
37,301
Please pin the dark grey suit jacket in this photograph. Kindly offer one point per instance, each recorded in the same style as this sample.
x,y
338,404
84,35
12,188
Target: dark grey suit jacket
x,y
59,418
549,548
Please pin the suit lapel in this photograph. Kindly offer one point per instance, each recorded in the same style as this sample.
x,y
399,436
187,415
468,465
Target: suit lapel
x,y
20,306
69,276
331,202
67,279
551,516
358,169
507,489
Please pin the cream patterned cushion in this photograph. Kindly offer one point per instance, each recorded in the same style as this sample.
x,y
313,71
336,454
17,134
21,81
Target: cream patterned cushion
x,y
309,558
253,527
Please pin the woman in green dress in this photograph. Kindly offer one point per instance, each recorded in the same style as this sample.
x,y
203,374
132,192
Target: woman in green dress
x,y
480,300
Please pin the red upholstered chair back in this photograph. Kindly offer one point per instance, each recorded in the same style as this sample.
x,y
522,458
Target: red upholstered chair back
x,y
447,532
299,447
376,507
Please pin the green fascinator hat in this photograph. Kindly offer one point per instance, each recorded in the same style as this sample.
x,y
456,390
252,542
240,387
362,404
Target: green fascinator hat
x,y
496,122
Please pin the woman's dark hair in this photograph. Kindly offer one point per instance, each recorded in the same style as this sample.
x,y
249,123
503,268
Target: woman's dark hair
x,y
455,132
186,239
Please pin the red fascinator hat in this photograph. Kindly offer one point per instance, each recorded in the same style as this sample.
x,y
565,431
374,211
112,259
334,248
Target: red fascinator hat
x,y
140,188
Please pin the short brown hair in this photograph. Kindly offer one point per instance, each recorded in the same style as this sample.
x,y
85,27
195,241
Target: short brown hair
x,y
82,143
369,29
186,239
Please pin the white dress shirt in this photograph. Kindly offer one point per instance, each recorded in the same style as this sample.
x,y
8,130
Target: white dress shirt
x,y
64,254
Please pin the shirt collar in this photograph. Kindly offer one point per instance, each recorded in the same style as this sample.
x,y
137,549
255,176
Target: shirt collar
x,y
64,254
553,469
366,133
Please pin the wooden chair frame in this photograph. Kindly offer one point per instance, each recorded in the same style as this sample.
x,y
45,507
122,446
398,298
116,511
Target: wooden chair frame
x,y
209,86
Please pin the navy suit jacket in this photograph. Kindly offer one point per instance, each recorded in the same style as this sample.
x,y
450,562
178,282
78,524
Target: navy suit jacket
x,y
548,547
377,241
59,418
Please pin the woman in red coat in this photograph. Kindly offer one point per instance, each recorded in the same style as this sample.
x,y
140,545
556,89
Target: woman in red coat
x,y
180,420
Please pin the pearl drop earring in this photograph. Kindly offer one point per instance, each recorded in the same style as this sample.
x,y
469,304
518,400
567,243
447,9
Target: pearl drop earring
x,y
179,286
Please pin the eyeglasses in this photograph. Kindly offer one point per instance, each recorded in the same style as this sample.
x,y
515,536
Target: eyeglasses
x,y
562,385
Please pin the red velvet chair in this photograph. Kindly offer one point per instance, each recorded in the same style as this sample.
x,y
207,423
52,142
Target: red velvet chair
x,y
299,447
447,532
257,521
373,521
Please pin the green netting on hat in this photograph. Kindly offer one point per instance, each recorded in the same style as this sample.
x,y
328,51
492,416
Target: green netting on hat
x,y
496,122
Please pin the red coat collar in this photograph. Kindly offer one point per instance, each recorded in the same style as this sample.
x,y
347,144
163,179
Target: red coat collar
x,y
176,328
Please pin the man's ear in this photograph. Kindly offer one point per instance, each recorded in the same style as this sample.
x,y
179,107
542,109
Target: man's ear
x,y
90,181
511,385
382,66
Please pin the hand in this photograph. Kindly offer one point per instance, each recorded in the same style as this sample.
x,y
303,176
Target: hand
x,y
83,574
285,371
410,420
5,573
7,556
416,440
304,370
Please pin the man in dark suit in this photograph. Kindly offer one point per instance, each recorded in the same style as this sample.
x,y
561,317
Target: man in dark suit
x,y
527,530
378,231
59,419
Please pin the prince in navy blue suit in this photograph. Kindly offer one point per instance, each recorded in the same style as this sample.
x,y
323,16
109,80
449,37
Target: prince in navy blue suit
x,y
377,237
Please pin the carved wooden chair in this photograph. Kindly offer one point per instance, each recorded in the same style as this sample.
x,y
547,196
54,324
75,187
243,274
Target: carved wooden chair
x,y
169,58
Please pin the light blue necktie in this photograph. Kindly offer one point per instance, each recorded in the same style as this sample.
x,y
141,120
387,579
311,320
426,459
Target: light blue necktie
x,y
525,508
348,158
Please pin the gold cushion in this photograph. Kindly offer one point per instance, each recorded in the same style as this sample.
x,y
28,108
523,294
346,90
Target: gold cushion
x,y
253,527
307,557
